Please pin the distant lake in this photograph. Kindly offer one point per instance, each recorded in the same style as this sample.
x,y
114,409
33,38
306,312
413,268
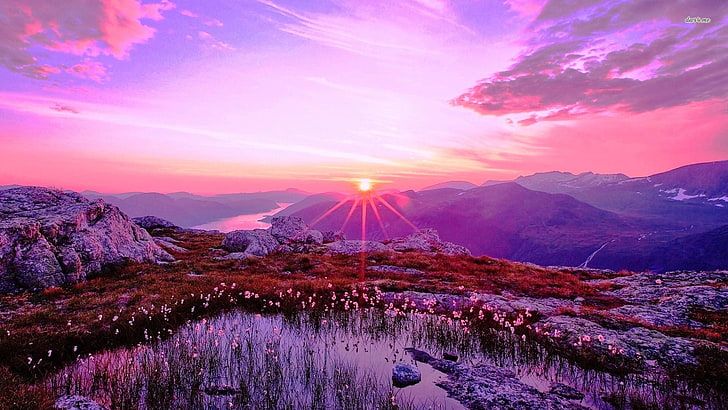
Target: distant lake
x,y
249,221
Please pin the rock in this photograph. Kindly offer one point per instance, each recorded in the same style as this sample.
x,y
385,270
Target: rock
x,y
419,355
635,348
169,245
258,242
484,386
153,222
77,403
565,391
427,240
221,390
54,238
350,247
450,356
395,269
287,229
668,299
404,375
331,236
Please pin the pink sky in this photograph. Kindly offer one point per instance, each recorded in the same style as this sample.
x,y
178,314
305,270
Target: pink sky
x,y
209,97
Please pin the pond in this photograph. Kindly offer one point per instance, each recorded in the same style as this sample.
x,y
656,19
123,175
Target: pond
x,y
321,360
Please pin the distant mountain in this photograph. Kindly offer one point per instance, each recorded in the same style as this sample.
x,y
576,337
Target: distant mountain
x,y
708,180
504,220
327,199
461,185
186,209
566,182
605,221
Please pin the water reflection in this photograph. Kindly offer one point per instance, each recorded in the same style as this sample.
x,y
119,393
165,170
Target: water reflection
x,y
315,359
249,221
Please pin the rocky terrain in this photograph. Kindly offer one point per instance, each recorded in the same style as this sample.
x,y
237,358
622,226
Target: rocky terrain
x,y
292,234
653,326
53,238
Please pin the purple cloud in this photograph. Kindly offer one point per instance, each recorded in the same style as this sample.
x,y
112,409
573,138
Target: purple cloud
x,y
588,56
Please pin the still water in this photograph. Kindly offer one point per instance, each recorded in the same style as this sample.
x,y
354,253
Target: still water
x,y
247,221
320,360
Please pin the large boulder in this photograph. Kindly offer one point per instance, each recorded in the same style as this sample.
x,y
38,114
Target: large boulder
x,y
427,240
153,222
350,247
52,238
292,229
258,242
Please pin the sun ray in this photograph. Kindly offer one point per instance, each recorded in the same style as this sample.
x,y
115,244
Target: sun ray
x,y
396,212
330,211
351,212
362,254
378,217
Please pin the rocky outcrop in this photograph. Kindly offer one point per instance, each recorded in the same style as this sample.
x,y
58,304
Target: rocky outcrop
x,y
427,240
350,247
53,238
153,222
667,299
485,386
286,234
287,229
258,242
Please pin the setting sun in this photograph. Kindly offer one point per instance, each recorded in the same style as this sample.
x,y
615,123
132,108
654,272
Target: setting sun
x,y
365,185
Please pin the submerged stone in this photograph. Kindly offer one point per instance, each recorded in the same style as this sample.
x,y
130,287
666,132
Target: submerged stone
x,y
77,403
404,375
566,392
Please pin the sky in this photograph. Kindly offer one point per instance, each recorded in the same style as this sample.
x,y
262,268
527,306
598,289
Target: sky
x,y
223,96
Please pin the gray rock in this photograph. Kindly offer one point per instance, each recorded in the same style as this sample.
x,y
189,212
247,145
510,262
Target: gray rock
x,y
350,247
332,236
427,240
169,245
484,386
153,222
565,391
258,242
404,374
637,347
53,238
77,403
667,299
287,229
395,269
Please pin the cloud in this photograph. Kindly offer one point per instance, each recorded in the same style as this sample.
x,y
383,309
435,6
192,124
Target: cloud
x,y
588,57
88,69
64,108
210,22
210,41
78,27
360,28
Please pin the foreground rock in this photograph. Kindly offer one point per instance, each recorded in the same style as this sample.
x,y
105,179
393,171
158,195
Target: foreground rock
x,y
77,403
484,386
404,374
258,242
427,240
53,238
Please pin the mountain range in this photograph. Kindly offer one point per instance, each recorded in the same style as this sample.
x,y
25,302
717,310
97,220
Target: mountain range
x,y
186,210
667,221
